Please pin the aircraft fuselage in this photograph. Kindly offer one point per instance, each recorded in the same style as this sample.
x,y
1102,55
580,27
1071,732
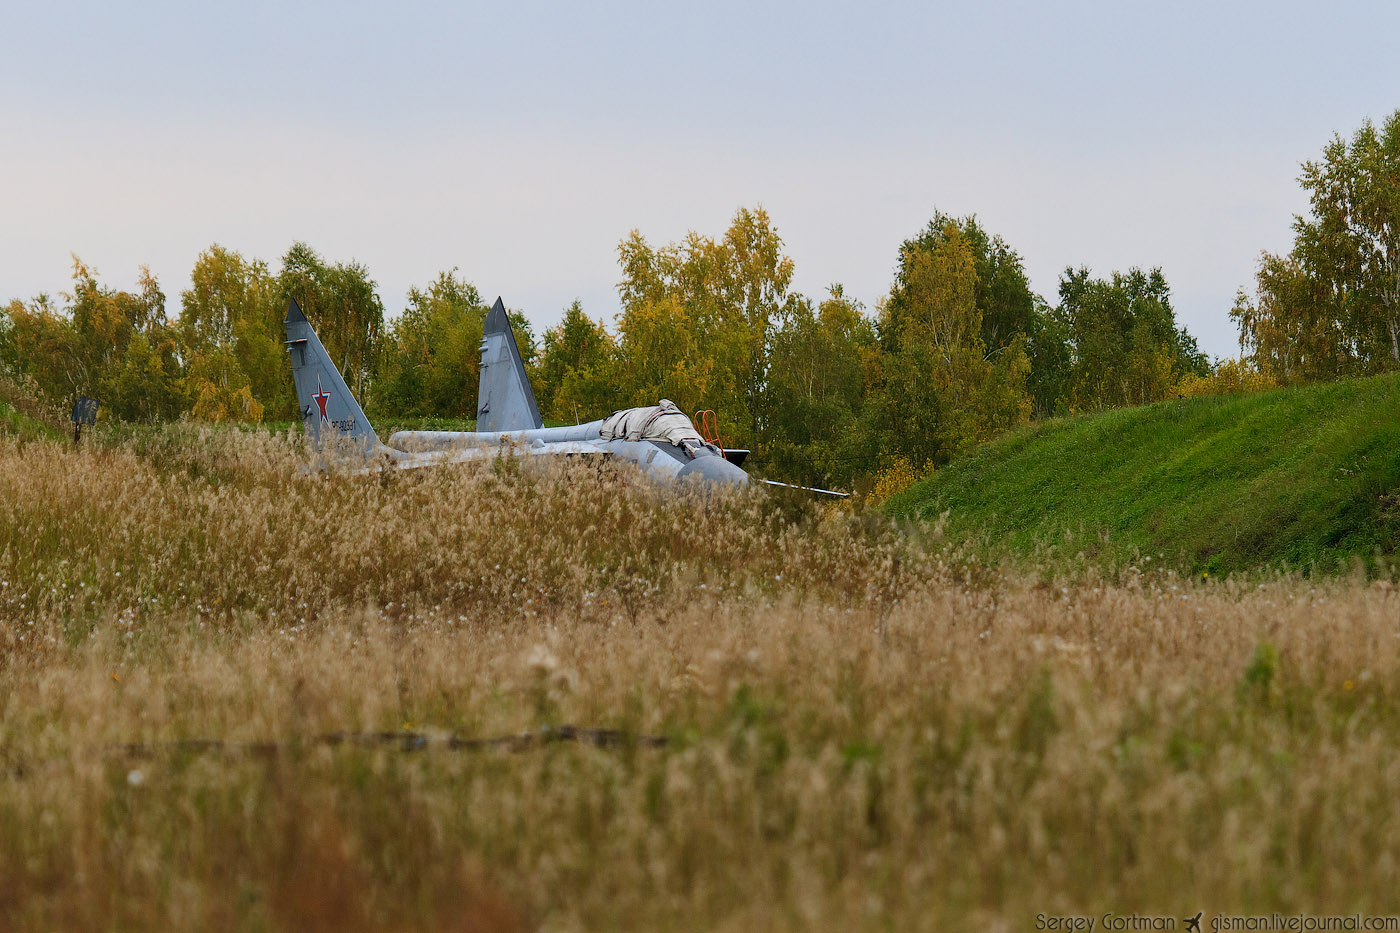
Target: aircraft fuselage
x,y
658,459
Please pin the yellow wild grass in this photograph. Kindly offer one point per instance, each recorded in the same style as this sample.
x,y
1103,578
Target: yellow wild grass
x,y
865,728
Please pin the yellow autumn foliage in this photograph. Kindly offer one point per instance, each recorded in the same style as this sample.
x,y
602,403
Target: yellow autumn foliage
x,y
897,477
1230,377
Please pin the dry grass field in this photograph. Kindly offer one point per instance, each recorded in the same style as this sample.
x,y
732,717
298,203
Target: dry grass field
x,y
865,727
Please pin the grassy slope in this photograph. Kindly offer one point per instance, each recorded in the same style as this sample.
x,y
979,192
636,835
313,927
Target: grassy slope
x,y
15,422
1303,476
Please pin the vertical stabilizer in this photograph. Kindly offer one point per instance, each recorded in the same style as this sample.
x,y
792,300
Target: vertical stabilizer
x,y
505,401
328,410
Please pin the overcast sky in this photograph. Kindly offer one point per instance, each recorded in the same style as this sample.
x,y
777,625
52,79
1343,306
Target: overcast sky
x,y
520,142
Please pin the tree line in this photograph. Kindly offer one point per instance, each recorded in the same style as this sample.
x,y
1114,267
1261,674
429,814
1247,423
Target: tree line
x,y
821,388
1330,307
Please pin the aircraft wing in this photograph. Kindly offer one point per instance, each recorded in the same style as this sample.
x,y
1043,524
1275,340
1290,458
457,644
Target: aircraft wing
x,y
467,454
824,492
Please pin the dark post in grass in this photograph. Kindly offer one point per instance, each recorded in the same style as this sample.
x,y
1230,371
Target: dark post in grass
x,y
84,412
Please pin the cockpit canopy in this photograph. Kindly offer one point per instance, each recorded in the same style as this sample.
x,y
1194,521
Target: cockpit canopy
x,y
660,422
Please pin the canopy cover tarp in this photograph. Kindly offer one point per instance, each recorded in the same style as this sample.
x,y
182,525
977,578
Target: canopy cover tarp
x,y
661,422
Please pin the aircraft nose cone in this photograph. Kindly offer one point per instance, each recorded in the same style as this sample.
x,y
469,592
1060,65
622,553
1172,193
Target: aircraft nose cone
x,y
714,469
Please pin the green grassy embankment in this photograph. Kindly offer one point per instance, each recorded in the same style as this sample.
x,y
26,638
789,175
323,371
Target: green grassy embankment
x,y
16,423
1306,477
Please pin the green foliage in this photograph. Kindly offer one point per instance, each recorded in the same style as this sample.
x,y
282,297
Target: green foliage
x,y
938,390
146,384
1002,294
24,409
342,303
818,364
1052,361
1308,476
962,349
17,424
574,378
222,360
231,331
1127,349
431,359
1331,306
1226,377
696,321
114,345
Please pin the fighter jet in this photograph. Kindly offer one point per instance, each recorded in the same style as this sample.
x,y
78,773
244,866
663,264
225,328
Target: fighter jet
x,y
660,439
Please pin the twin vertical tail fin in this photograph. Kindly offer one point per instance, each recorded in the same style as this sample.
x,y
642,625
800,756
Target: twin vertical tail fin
x,y
504,400
328,410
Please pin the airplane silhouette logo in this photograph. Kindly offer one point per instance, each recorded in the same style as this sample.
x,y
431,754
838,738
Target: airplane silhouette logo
x,y
1193,923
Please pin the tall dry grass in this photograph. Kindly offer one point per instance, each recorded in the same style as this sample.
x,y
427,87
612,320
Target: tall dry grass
x,y
866,729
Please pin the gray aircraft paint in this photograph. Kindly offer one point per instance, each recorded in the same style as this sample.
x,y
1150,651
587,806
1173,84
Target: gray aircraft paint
x,y
335,422
505,401
328,410
508,415
651,456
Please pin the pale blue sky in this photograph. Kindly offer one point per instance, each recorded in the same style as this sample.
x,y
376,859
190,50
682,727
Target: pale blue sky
x,y
522,142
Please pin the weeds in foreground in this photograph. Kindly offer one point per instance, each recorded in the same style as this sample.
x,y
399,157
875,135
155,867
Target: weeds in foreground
x,y
865,728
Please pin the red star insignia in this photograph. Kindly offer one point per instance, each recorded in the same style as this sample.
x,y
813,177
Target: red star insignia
x,y
321,396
